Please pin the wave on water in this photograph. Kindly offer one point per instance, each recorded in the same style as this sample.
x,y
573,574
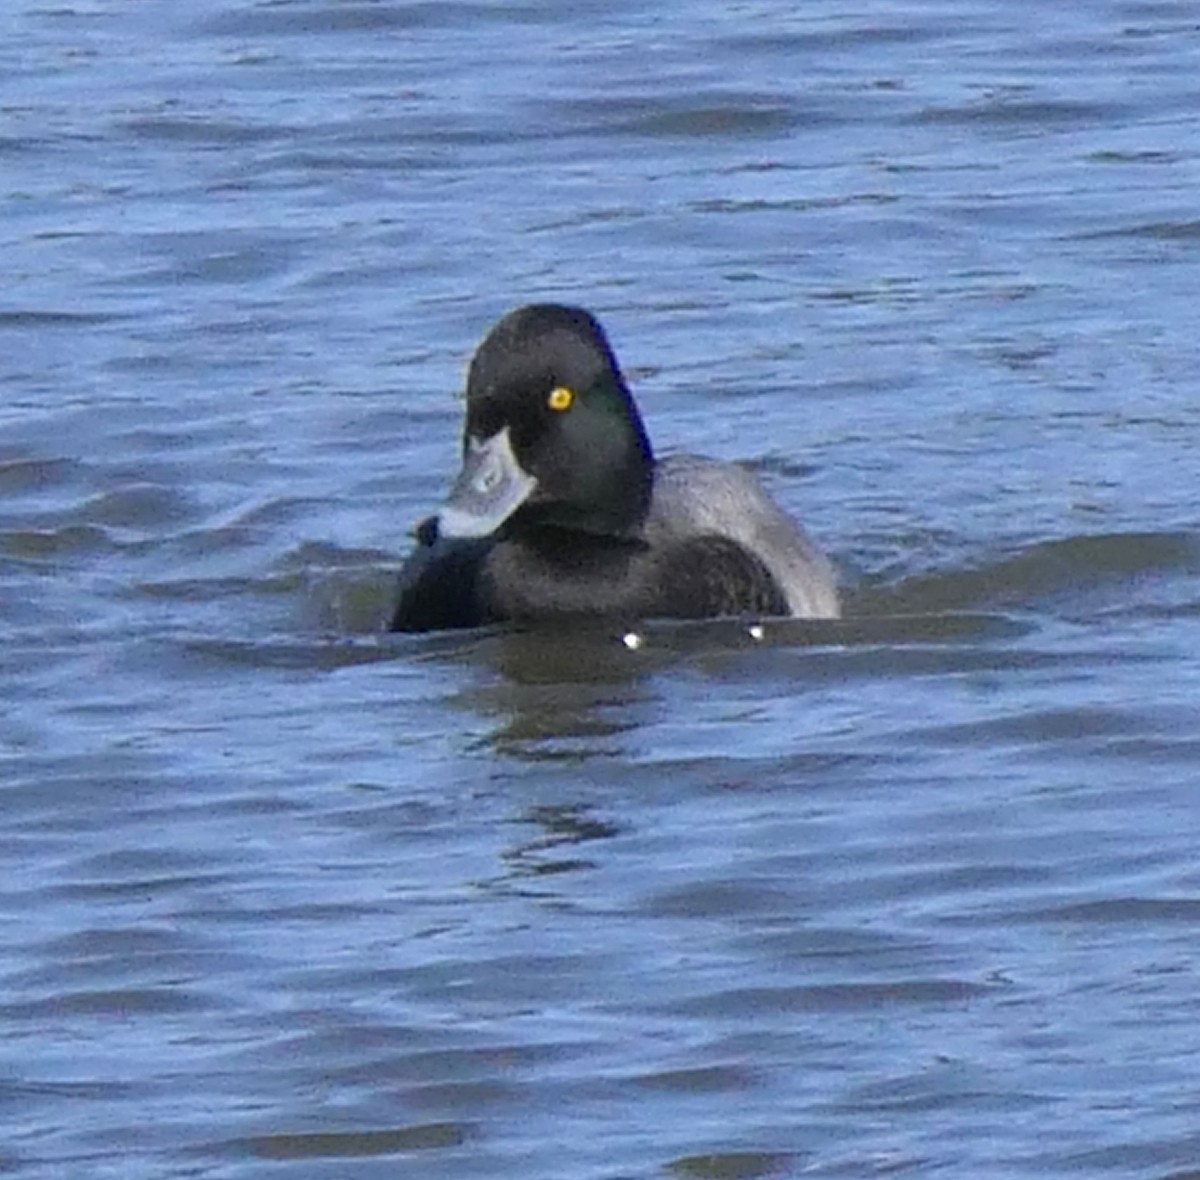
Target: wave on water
x,y
343,600
1080,572
1071,572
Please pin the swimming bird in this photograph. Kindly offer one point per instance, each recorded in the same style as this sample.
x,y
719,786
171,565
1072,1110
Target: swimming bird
x,y
561,510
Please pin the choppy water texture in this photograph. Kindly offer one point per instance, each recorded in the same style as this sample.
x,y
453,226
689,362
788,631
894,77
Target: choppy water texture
x,y
915,893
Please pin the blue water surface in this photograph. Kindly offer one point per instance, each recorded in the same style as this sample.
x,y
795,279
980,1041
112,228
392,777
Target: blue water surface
x,y
912,893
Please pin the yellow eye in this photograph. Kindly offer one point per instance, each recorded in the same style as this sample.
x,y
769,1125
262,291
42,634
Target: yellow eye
x,y
561,398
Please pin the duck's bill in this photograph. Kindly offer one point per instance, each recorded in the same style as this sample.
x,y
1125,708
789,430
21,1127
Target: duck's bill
x,y
491,486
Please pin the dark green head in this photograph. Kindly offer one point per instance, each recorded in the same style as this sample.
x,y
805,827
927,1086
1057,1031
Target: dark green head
x,y
552,435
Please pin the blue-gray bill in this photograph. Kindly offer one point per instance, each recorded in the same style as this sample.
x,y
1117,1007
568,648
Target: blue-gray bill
x,y
491,486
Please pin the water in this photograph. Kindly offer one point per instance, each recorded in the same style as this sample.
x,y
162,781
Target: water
x,y
913,893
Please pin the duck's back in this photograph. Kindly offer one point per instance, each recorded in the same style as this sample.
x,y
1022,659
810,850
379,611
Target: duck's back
x,y
695,496
714,543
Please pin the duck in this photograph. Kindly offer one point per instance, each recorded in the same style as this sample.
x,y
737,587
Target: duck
x,y
562,512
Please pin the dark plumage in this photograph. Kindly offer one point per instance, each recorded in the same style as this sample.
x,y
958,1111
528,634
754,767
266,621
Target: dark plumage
x,y
561,510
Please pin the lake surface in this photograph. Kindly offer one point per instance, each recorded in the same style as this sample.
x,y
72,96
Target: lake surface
x,y
915,893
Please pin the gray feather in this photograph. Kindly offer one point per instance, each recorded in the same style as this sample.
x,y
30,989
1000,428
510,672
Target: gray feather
x,y
696,496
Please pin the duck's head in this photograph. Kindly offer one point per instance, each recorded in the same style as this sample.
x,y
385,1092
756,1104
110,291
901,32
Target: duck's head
x,y
552,435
